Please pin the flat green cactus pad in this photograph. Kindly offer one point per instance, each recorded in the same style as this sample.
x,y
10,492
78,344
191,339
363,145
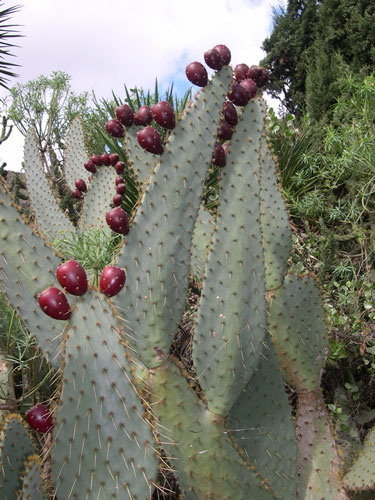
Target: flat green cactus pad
x,y
102,441
202,235
31,481
51,221
75,155
361,474
15,447
27,268
207,463
157,252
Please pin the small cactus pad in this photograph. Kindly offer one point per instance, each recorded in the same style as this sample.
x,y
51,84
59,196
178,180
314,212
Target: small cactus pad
x,y
31,481
361,474
27,267
98,200
102,443
231,317
299,333
75,155
207,463
157,253
261,423
51,221
15,447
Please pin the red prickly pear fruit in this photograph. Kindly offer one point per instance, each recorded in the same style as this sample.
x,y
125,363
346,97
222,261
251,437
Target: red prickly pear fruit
x,y
90,166
104,158
117,200
125,114
226,146
54,303
120,167
143,116
118,220
72,277
119,180
150,140
76,193
213,59
197,74
258,74
121,189
81,185
224,52
240,72
115,128
250,86
112,280
163,114
113,159
39,418
218,156
238,95
230,113
96,160
225,131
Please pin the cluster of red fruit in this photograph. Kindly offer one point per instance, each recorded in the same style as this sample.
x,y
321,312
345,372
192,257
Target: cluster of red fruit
x,y
72,277
149,138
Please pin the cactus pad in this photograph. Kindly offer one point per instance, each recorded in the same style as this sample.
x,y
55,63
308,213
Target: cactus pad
x,y
75,154
31,481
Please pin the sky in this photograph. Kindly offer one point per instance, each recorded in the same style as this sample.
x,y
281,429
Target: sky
x,y
104,44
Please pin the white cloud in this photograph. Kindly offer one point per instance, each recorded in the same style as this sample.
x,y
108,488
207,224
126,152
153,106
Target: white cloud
x,y
104,44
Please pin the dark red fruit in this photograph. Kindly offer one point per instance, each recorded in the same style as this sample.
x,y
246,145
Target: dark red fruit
x,y
104,158
143,116
224,52
39,418
112,280
90,166
120,167
218,156
119,180
238,95
250,86
225,131
240,72
72,277
196,73
115,128
226,146
258,74
163,114
121,189
76,193
81,185
118,220
96,160
54,303
113,159
230,113
150,140
125,114
213,59
117,200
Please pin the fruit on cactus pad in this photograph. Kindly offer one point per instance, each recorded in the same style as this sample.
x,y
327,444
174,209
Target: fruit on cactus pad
x,y
240,71
121,188
117,200
125,114
96,160
39,418
163,114
150,140
250,86
258,74
104,158
213,59
143,116
238,95
120,167
118,220
225,131
224,52
81,185
218,156
230,113
113,158
76,193
112,280
72,277
115,128
197,74
90,166
54,303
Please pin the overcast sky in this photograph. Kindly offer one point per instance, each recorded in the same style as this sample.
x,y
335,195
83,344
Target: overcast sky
x,y
103,44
